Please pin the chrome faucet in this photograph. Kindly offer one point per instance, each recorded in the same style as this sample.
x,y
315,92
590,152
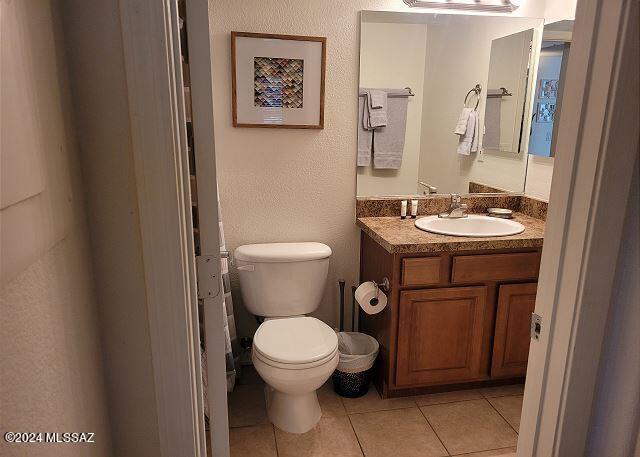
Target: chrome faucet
x,y
456,209
429,188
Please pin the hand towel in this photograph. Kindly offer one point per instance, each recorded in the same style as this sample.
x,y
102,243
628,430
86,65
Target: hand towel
x,y
461,126
377,107
475,144
365,135
388,142
377,99
491,139
466,141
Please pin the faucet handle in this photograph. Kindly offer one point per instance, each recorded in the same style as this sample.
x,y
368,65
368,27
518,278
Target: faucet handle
x,y
455,198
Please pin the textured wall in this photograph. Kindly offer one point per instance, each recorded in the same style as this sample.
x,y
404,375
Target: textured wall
x,y
295,185
96,64
52,375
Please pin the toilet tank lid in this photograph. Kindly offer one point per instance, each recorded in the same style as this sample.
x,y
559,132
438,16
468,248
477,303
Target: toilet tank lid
x,y
282,252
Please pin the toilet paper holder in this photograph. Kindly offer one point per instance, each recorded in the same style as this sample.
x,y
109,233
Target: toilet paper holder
x,y
384,285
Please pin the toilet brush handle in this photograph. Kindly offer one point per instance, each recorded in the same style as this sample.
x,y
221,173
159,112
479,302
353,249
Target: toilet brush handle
x,y
341,283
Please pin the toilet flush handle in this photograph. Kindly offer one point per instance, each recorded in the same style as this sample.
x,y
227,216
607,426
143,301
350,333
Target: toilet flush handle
x,y
246,268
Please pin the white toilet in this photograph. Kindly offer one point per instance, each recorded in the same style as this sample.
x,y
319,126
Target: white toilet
x,y
293,353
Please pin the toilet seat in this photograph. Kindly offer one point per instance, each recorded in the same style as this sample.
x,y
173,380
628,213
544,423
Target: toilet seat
x,y
295,343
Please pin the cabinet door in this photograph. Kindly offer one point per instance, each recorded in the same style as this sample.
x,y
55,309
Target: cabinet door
x,y
516,302
440,334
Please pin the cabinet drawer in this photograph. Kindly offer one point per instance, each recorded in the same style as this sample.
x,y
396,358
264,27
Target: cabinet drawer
x,y
495,267
420,271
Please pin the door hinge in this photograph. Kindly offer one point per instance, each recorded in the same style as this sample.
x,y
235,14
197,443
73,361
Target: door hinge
x,y
536,326
208,274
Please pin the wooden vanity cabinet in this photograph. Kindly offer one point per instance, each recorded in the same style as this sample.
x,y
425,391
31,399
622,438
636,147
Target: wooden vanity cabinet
x,y
440,335
452,319
511,340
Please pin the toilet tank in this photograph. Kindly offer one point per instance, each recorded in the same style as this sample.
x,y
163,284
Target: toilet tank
x,y
282,279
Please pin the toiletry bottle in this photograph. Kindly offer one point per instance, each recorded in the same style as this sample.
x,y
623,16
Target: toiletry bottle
x,y
414,208
403,209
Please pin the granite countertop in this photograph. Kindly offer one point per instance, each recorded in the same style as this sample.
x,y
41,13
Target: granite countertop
x,y
402,236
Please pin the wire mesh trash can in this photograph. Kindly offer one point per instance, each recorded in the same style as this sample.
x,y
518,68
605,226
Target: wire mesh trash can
x,y
357,354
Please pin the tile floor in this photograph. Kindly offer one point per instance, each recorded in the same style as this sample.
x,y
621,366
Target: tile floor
x,y
471,423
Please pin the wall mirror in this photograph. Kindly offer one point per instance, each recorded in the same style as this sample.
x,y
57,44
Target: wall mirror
x,y
445,102
552,62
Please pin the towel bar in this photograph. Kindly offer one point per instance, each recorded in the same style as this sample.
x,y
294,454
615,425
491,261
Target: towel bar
x,y
392,95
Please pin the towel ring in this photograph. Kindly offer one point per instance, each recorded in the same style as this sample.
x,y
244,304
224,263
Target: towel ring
x,y
477,91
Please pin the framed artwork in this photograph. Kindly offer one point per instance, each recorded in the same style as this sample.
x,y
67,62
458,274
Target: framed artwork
x,y
277,81
548,88
546,112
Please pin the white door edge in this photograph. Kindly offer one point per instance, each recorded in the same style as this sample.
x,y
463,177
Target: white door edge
x,y
156,107
597,144
201,61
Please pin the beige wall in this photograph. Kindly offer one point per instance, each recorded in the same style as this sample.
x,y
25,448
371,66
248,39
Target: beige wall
x,y
559,10
389,59
293,185
52,376
96,64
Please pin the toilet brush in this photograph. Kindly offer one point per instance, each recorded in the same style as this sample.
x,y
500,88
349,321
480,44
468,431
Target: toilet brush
x,y
341,283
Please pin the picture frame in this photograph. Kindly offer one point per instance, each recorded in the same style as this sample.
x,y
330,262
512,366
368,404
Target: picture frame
x,y
546,112
548,88
278,81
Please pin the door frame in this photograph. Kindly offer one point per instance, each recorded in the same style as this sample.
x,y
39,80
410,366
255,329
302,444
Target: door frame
x,y
597,147
152,57
591,181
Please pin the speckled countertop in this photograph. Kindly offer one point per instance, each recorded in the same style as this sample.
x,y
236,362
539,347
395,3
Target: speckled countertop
x,y
402,236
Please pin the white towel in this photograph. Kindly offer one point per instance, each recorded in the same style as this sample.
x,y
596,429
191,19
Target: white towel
x,y
461,126
475,144
377,107
466,141
388,142
365,135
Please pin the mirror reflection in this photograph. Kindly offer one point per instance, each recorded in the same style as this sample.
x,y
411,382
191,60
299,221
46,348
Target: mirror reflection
x,y
445,102
552,62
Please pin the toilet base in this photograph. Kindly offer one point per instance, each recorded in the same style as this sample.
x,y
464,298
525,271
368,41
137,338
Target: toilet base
x,y
292,413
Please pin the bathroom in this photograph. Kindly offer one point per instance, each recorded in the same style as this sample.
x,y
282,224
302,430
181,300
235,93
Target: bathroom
x,y
301,181
278,228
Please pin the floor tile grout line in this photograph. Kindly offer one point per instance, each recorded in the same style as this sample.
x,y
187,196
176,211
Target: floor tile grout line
x,y
417,405
504,418
249,425
450,402
434,431
502,396
275,439
486,450
382,410
356,435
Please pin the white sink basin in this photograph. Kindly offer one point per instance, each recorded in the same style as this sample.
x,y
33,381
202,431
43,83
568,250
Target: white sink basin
x,y
473,225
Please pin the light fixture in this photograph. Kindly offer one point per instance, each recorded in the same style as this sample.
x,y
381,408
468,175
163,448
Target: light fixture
x,y
498,6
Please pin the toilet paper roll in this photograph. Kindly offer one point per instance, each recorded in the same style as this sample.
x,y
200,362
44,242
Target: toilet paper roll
x,y
366,297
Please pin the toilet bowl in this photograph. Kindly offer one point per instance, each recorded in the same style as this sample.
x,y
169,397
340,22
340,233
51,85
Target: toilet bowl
x,y
293,353
294,356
